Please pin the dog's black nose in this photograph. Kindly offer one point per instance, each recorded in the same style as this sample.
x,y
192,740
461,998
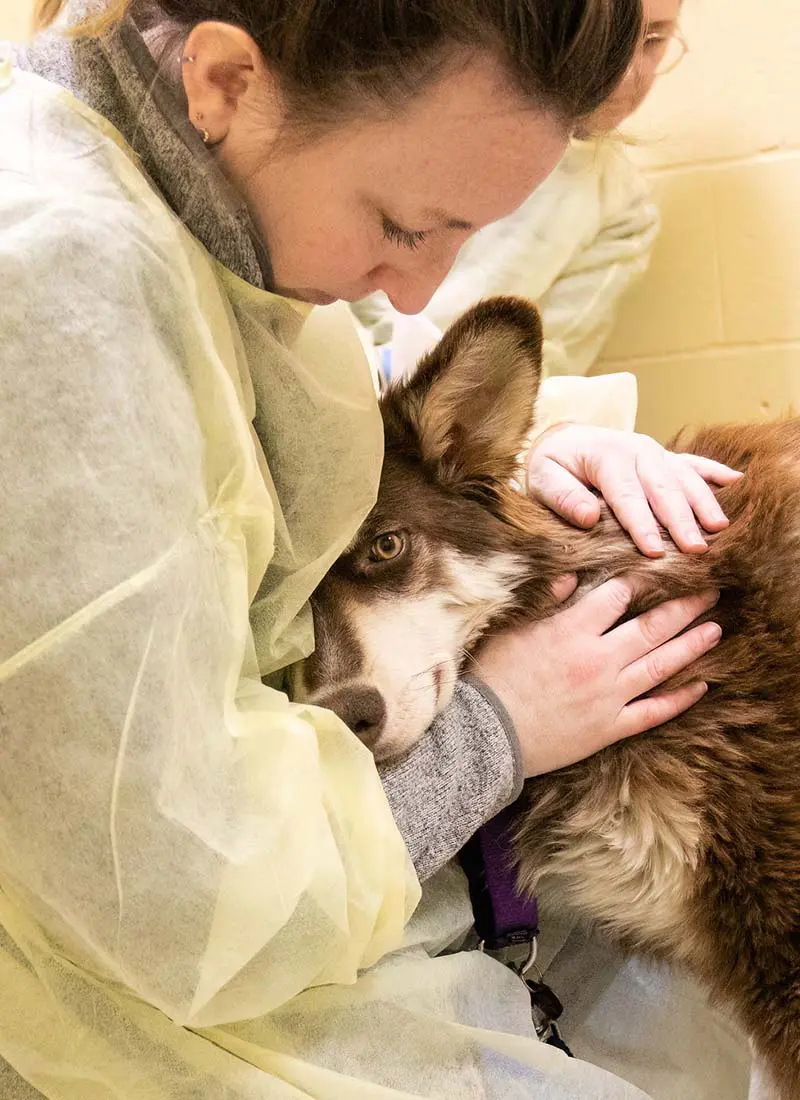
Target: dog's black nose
x,y
362,709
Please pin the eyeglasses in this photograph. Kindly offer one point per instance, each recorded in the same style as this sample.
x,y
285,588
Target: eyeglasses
x,y
665,50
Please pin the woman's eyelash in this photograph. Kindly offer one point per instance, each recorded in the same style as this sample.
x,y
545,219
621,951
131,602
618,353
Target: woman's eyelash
x,y
405,238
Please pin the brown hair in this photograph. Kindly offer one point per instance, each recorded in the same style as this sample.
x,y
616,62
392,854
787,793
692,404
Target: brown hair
x,y
564,55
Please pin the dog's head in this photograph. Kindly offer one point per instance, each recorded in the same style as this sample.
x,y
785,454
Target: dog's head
x,y
437,559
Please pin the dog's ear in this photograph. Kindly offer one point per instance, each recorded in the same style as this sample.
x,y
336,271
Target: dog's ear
x,y
470,401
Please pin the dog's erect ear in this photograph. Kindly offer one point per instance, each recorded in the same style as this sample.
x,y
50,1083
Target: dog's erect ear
x,y
470,401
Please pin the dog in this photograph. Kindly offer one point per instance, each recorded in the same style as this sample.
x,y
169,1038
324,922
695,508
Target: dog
x,y
682,843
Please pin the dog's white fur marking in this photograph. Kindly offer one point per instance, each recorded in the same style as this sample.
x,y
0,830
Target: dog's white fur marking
x,y
409,645
490,583
413,647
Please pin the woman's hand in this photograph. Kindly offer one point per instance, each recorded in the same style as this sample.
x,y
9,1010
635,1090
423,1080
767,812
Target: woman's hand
x,y
572,683
640,481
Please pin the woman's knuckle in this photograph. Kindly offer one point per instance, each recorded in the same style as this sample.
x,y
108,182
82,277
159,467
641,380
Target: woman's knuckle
x,y
651,715
700,641
647,444
652,630
630,495
681,461
564,498
536,479
697,649
662,487
656,667
618,594
656,625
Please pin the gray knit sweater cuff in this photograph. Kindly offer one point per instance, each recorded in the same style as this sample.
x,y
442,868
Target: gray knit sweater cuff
x,y
466,768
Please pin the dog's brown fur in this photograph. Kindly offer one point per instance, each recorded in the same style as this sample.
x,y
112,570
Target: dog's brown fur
x,y
684,842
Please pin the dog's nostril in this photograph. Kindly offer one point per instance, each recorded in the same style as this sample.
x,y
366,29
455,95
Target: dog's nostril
x,y
361,709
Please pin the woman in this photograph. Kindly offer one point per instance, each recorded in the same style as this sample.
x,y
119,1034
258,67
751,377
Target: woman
x,y
573,247
198,876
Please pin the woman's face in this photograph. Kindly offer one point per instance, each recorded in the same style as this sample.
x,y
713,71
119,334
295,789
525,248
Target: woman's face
x,y
386,203
660,24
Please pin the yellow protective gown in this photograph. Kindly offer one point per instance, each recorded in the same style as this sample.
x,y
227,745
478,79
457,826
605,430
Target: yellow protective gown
x,y
196,875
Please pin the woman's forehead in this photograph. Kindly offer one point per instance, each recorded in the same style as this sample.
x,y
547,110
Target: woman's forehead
x,y
661,11
468,150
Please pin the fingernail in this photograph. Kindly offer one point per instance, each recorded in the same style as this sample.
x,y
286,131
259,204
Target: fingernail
x,y
585,514
712,632
694,538
654,543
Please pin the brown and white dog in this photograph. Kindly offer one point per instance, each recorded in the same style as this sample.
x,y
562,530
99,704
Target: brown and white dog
x,y
684,842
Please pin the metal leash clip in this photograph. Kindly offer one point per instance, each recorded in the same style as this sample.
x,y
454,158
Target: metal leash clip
x,y
546,1007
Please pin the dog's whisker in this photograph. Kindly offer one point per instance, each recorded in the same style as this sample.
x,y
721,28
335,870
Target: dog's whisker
x,y
445,681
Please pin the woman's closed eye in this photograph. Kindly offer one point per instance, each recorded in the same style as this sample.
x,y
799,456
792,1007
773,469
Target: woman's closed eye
x,y
403,238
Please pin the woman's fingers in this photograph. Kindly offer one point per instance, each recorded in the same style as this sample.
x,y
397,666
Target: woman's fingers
x,y
596,612
563,587
709,470
701,498
672,506
669,659
646,714
563,493
636,639
618,479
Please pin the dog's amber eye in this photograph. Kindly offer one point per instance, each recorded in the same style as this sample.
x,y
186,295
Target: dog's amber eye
x,y
387,547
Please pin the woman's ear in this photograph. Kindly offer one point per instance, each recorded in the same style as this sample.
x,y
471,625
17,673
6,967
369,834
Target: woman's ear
x,y
223,69
470,402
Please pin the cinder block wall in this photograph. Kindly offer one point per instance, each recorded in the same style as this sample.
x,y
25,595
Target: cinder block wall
x,y
713,330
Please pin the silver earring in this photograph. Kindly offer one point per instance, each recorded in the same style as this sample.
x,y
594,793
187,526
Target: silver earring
x,y
189,60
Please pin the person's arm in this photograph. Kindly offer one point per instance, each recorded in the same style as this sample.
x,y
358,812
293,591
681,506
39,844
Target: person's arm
x,y
578,308
167,820
466,768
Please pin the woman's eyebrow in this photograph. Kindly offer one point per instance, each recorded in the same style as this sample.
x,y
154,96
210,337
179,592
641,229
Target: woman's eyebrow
x,y
661,26
448,221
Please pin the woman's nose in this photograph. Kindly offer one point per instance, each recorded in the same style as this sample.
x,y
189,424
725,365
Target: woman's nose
x,y
410,289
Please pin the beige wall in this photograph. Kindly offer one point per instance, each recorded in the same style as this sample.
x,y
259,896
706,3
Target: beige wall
x,y
16,17
713,330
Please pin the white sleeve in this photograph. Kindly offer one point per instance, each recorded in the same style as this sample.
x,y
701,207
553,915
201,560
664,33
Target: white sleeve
x,y
578,308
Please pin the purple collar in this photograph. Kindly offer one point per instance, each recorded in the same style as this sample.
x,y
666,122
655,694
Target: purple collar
x,y
503,916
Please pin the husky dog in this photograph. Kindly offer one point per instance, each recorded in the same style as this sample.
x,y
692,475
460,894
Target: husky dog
x,y
683,842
